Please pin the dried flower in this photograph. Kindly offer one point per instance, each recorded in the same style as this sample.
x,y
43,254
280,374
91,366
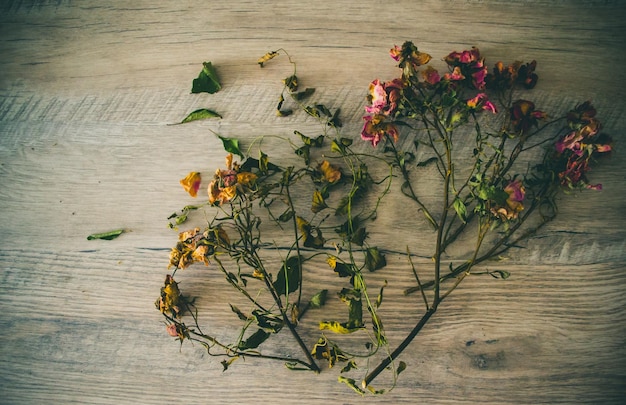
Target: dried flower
x,y
169,301
481,102
409,58
467,65
574,150
228,182
384,97
524,116
191,183
431,75
375,129
330,173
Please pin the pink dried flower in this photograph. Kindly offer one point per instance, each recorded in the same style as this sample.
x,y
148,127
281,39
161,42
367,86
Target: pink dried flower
x,y
481,102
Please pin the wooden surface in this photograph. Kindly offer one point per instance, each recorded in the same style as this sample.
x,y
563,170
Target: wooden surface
x,y
86,90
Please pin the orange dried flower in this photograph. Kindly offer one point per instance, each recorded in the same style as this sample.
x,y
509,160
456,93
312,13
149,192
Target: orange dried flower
x,y
191,183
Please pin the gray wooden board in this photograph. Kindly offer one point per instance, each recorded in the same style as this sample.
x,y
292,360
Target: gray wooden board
x,y
86,92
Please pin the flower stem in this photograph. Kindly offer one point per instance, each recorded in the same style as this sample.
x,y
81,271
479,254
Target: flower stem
x,y
394,355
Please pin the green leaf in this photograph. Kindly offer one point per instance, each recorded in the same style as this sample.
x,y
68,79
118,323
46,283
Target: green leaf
x,y
238,312
254,340
374,260
401,367
286,216
322,109
207,81
461,209
301,95
106,235
335,121
268,321
304,153
231,145
358,237
200,114
319,299
288,277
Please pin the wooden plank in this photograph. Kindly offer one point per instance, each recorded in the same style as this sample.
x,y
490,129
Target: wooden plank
x,y
86,96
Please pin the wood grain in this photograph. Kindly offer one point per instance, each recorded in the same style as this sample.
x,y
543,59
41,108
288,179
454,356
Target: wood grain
x,y
86,92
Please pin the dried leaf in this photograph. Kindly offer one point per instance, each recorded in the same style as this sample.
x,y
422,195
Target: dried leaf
x,y
268,56
374,260
301,95
318,203
254,340
319,299
288,277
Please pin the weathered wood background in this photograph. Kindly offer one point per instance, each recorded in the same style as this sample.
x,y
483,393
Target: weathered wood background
x,y
86,90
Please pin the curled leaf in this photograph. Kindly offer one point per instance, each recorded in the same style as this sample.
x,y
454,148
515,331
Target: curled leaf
x,y
313,241
503,274
341,328
227,363
325,349
268,56
207,81
351,383
318,203
461,209
291,83
106,235
319,299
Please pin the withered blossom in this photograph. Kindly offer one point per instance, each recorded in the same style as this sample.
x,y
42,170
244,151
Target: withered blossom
x,y
524,116
330,173
467,66
409,58
375,129
227,183
170,299
510,208
481,102
574,150
191,183
384,97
